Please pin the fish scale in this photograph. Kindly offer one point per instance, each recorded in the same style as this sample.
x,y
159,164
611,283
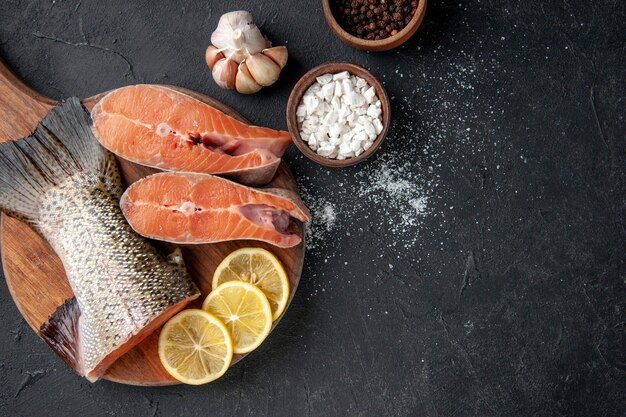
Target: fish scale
x,y
68,188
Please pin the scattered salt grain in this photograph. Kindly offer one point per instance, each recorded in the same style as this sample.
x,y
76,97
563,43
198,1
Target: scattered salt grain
x,y
429,147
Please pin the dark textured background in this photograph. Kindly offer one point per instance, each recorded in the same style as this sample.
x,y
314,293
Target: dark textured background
x,y
511,301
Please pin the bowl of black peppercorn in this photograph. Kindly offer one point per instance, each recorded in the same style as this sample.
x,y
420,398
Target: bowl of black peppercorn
x,y
374,25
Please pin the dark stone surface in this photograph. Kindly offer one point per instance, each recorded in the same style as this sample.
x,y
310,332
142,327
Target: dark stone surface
x,y
506,298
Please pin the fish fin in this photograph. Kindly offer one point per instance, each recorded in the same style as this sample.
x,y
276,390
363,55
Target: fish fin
x,y
60,332
61,146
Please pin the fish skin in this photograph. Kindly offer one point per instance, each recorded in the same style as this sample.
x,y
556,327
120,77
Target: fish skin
x,y
192,208
61,182
129,122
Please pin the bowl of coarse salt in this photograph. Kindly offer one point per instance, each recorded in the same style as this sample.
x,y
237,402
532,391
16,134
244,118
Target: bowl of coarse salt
x,y
338,114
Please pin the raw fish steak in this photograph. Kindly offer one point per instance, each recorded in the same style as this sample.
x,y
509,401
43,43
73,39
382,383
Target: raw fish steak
x,y
163,128
202,208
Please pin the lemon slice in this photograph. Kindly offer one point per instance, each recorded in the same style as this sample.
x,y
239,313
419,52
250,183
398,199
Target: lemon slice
x,y
260,268
195,347
245,311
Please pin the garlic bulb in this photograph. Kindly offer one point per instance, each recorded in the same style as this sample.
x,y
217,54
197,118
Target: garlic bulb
x,y
241,57
237,36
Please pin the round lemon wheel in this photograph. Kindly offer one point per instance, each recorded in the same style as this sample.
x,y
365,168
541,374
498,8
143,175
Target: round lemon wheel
x,y
245,311
195,347
260,268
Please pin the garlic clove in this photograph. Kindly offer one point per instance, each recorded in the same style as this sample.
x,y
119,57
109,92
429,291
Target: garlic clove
x,y
212,56
224,73
244,82
237,36
264,71
278,54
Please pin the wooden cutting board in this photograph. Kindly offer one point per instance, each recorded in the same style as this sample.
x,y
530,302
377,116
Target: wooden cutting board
x,y
35,275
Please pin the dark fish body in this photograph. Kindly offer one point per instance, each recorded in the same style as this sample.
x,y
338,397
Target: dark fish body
x,y
64,185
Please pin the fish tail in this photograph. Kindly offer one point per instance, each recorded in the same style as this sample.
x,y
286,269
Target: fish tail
x,y
61,146
60,332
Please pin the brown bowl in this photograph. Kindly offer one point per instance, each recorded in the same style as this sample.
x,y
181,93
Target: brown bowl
x,y
303,85
380,45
